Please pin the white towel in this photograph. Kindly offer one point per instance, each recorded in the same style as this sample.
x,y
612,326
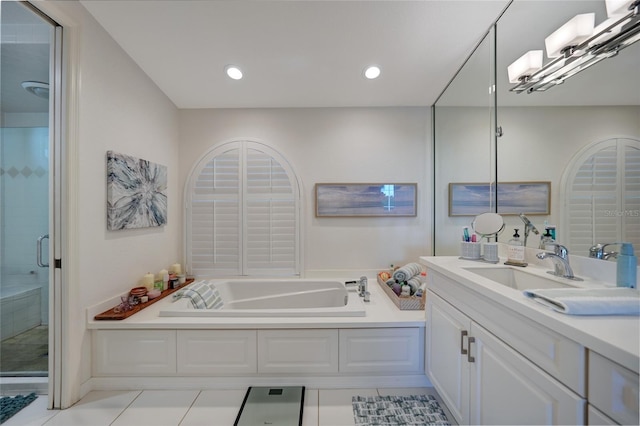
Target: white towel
x,y
407,272
584,301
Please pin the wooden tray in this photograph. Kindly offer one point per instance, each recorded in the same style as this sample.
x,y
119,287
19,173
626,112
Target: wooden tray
x,y
112,315
405,303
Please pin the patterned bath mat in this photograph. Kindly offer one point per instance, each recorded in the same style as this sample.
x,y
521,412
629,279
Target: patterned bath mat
x,y
398,410
9,406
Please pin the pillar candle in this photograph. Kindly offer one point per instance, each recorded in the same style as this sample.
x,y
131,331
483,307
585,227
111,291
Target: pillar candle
x,y
147,281
161,274
176,268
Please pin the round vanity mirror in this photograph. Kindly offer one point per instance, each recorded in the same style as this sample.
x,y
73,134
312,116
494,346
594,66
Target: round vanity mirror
x,y
487,224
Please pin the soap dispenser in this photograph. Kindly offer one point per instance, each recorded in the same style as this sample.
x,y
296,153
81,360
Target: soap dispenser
x,y
627,267
515,254
546,239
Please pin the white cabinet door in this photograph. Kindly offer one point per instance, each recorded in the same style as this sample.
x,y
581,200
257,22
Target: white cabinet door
x,y
298,351
597,417
614,389
447,332
506,388
219,352
134,352
381,350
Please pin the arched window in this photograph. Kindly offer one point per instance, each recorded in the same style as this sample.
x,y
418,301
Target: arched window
x,y
242,213
602,195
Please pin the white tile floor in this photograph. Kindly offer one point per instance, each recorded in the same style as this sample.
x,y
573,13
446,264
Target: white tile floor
x,y
323,407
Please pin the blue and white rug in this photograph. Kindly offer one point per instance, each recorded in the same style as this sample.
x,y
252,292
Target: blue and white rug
x,y
9,406
398,410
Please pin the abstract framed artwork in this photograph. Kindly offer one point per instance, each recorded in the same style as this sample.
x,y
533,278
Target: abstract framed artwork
x,y
366,199
471,199
136,192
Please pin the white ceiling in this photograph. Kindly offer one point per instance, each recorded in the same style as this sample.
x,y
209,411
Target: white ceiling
x,y
298,53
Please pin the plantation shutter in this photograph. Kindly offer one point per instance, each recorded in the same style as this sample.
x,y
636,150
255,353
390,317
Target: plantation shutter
x,y
215,217
244,214
270,237
604,197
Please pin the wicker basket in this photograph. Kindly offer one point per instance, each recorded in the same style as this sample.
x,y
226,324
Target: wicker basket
x,y
404,303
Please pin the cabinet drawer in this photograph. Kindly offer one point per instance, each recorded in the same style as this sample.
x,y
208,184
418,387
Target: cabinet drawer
x,y
221,352
297,351
134,352
613,389
381,350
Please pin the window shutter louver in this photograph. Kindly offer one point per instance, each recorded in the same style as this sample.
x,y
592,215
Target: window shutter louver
x,y
215,222
244,215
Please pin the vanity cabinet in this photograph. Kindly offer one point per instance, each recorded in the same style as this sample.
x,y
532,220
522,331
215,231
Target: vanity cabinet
x,y
613,391
484,381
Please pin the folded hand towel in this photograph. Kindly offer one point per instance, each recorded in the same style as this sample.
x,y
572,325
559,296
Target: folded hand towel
x,y
203,295
584,301
407,272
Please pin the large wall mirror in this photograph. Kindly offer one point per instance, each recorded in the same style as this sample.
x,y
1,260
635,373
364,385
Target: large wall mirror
x,y
582,136
464,134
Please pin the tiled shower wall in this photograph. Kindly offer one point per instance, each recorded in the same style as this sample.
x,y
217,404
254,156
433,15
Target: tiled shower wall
x,y
24,193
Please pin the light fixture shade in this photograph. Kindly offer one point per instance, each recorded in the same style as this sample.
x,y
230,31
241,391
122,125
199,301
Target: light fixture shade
x,y
617,7
607,35
526,65
575,31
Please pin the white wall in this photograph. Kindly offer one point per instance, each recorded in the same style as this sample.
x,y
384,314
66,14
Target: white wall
x,y
113,106
538,144
335,145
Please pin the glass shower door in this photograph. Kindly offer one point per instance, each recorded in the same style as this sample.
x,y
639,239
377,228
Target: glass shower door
x,y
25,147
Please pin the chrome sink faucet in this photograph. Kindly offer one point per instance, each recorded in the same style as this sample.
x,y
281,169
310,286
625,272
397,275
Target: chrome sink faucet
x,y
597,252
560,258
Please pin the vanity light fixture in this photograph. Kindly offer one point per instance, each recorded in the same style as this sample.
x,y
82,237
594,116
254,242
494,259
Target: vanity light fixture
x,y
233,72
524,66
372,72
577,45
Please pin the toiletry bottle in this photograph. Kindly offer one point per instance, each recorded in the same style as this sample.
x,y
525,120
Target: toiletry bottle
x,y
627,267
515,250
546,239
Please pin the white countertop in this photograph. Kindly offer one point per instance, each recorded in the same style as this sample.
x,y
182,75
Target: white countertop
x,y
380,312
615,337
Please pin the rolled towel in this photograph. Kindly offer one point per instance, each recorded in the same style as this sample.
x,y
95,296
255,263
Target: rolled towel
x,y
407,272
414,283
583,301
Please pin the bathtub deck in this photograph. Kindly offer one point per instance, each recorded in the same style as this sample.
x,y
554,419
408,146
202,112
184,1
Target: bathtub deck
x,y
381,312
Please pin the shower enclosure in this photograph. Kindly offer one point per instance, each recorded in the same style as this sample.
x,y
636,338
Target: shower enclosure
x,y
25,146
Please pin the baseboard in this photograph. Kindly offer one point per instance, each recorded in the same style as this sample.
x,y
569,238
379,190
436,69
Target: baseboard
x,y
203,383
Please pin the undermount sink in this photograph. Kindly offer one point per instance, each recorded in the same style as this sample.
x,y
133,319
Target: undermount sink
x,y
515,278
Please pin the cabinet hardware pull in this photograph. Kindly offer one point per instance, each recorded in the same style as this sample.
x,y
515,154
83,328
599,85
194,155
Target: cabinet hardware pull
x,y
469,357
463,333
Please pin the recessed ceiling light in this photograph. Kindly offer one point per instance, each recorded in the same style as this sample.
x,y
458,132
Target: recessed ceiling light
x,y
372,72
233,72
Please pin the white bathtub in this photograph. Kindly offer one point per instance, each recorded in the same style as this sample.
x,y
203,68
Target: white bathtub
x,y
19,309
275,298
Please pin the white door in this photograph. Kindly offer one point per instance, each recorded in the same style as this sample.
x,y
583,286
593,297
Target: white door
x,y
505,388
447,332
